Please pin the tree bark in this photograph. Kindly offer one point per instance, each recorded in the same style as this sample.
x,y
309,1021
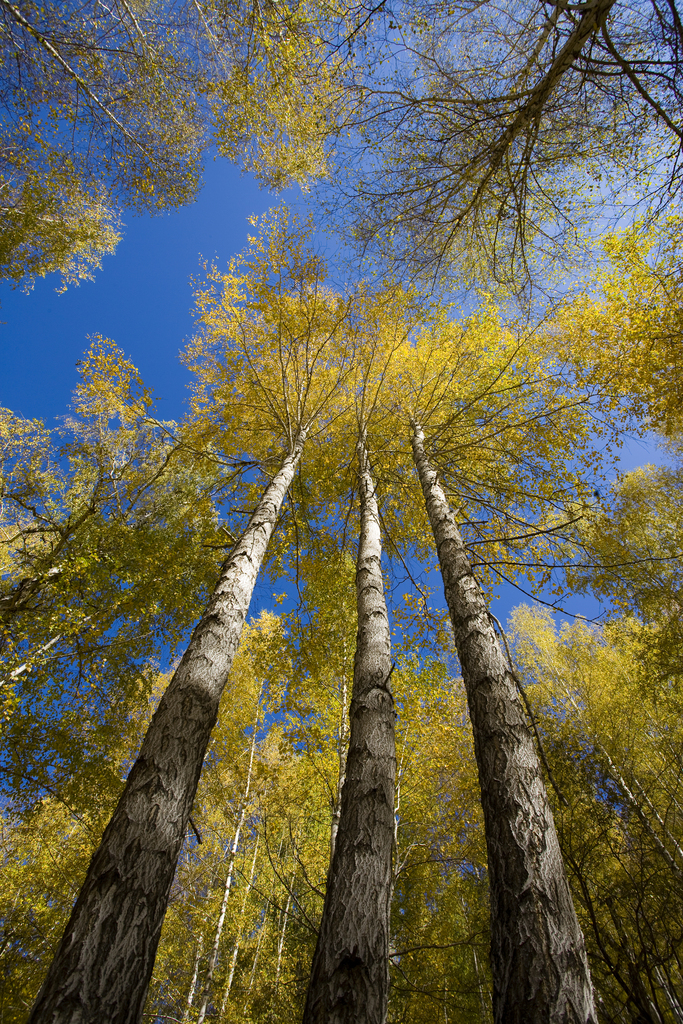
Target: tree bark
x,y
341,770
349,980
538,956
244,803
102,967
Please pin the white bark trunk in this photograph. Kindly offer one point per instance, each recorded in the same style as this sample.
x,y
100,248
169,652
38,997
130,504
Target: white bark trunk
x,y
252,975
102,967
349,981
341,767
193,983
281,939
538,956
262,929
244,802
238,937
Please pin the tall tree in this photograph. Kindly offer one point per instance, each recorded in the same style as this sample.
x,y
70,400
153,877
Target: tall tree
x,y
278,354
482,134
540,969
103,965
350,972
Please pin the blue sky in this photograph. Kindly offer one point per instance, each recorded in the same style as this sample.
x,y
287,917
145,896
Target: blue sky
x,y
141,299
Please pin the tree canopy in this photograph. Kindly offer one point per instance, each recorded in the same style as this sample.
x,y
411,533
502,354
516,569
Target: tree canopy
x,y
483,141
372,801
106,108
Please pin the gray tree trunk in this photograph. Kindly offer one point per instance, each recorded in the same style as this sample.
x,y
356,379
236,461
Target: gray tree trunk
x,y
538,957
349,980
102,967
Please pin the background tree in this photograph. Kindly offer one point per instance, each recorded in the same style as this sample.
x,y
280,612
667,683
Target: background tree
x,y
112,107
632,310
486,141
613,736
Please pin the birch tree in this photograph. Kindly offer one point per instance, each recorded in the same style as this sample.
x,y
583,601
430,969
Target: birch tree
x,y
537,949
105,960
234,846
540,970
493,413
123,883
484,141
349,975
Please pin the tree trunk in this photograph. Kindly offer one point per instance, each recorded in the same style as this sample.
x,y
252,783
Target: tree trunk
x,y
349,980
264,925
341,770
283,930
193,983
252,975
242,813
238,937
102,967
538,957
485,1017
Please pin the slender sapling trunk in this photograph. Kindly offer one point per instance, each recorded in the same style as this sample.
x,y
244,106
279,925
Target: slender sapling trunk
x,y
341,770
242,813
283,930
193,983
238,937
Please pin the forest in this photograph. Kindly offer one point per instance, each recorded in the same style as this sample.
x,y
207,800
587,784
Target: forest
x,y
369,800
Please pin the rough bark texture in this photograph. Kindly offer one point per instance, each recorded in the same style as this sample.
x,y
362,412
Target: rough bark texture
x,y
102,967
540,969
350,973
